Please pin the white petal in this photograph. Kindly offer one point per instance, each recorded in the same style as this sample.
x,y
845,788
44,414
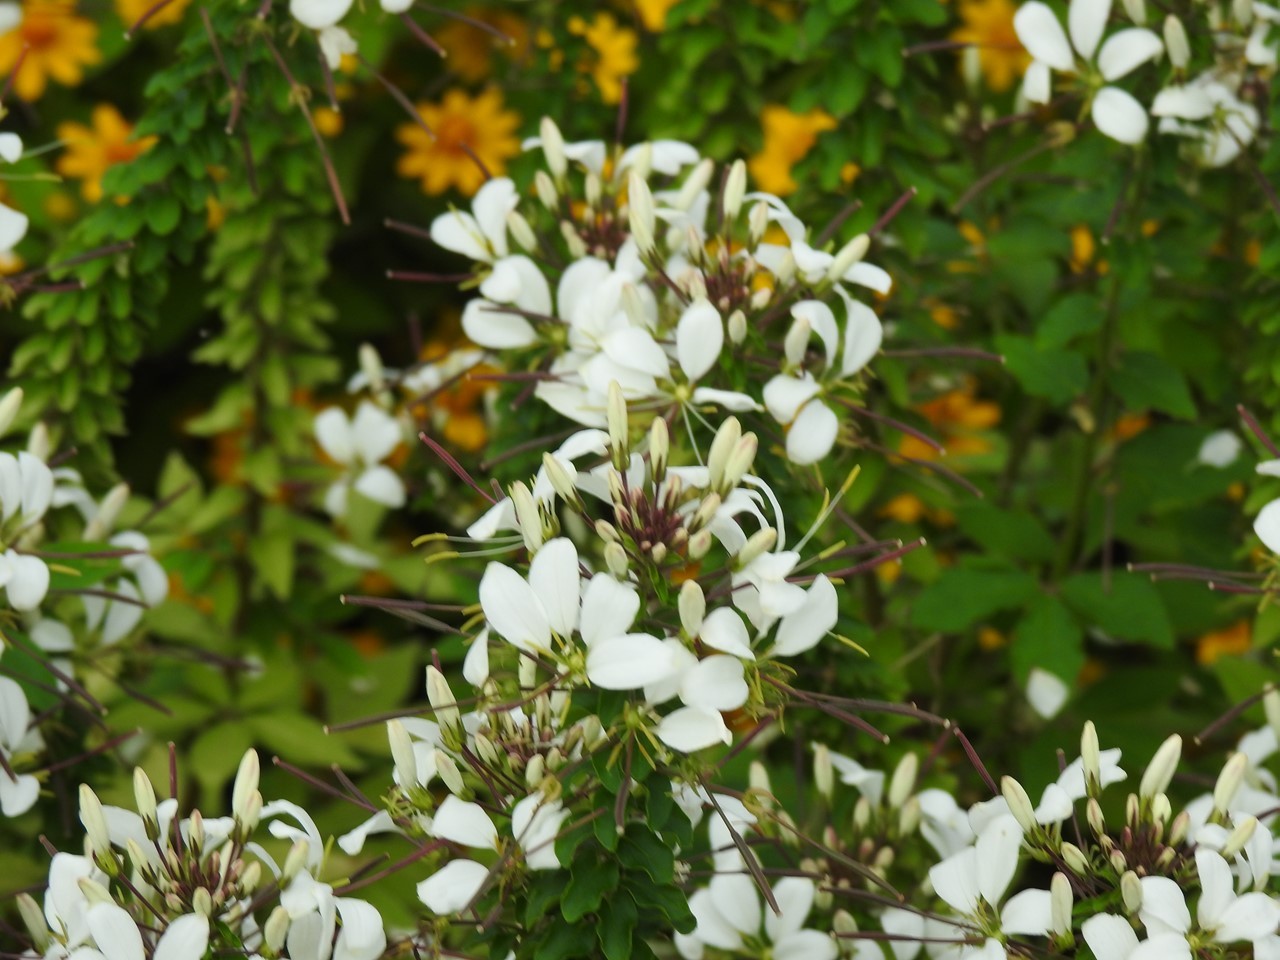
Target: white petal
x,y
37,487
10,146
863,334
716,682
1164,909
806,945
475,665
1165,946
690,729
1119,115
459,232
382,485
333,432
713,929
637,350
699,339
813,434
1267,526
1037,82
728,399
794,896
1045,692
1028,913
518,280
1040,32
735,896
115,933
1216,885
997,847
608,608
29,581
553,577
1250,917
492,203
186,938
535,821
1055,805
1109,937
352,842
318,14
10,485
1186,103
488,326
396,6
955,880
1220,448
1126,51
374,433
802,630
628,662
462,822
16,798
1086,21
513,610
822,322
362,936
452,887
784,395
723,629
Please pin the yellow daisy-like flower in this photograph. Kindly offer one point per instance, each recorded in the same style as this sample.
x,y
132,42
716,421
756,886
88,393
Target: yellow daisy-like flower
x,y
653,13
615,48
131,11
788,138
1234,640
91,151
460,124
58,44
988,26
471,49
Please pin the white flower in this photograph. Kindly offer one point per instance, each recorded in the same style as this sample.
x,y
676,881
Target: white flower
x,y
319,14
1267,526
1220,448
1115,112
360,444
535,822
1223,916
335,43
729,909
482,234
17,794
25,579
1046,692
1112,938
1210,113
13,223
26,488
453,886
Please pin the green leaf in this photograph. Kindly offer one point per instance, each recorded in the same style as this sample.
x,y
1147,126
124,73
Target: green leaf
x,y
962,597
1050,637
617,923
642,850
1014,534
565,941
1055,374
1130,609
1145,381
163,213
592,877
1074,315
301,740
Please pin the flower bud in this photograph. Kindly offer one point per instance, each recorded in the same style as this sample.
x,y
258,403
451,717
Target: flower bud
x,y
722,446
144,797
797,341
594,189
1093,815
843,924
251,877
1091,758
1019,803
1075,859
693,608
577,247
528,517
1238,837
294,861
823,771
735,187
442,701
1175,41
450,774
100,526
521,232
659,448
248,776
759,543
535,771
563,477
275,930
1118,862
1137,11
95,822
740,460
195,831
694,184
699,544
1159,772
402,754
615,558
94,892
760,299
1131,892
1271,706
758,222
10,404
372,368
619,435
1179,828
909,817
786,269
737,326
32,916
553,148
861,815
903,781
202,902
38,443
1161,809
527,673
758,779
640,214
1060,902
851,253
1229,780
1242,12
546,190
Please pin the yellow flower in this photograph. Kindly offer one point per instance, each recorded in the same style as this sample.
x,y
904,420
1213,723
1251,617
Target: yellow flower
x,y
460,124
653,13
1083,250
92,151
58,44
788,138
1233,640
905,508
471,49
615,48
131,11
988,26
957,415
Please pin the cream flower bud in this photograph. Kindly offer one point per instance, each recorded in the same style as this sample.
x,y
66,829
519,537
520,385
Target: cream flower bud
x,y
758,779
195,831
903,781
32,915
1060,903
38,443
741,460
759,543
442,700
252,812
1229,780
1137,11
1118,862
615,558
851,253
758,222
1131,892
546,190
1179,828
1074,858
248,775
1175,42
796,341
737,327
593,190
1242,12
553,148
573,240
694,184
95,822
1238,837
294,861
372,368
693,608
786,269
722,445
735,187
100,526
402,754
1159,772
563,477
971,67
144,797
659,448
619,435
1161,809
521,232
450,774
909,817
528,517
527,673
861,814
251,877
640,213
535,771
1093,816
823,771
1091,757
93,891
843,924
699,544
1019,803
10,404
275,930
760,299
202,902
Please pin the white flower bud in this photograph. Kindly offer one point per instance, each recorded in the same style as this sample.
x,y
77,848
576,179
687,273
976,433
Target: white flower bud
x,y
546,190
535,771
195,831
706,512
722,445
1178,829
659,448
95,822
1159,772
573,240
786,269
693,608
760,299
1093,816
563,477
1060,903
843,924
1242,12
94,892
633,306
442,700
797,341
737,326
640,214
593,190
606,531
694,283
1161,809
144,797
1271,706
553,148
694,184
1175,41
100,526
246,783
275,930
861,814
851,253
450,773
1229,780
527,673
402,754
1019,803
699,544
1075,859
735,187
294,861
615,558
1131,892
528,516
760,542
903,781
372,368
971,67
758,222
740,460
619,435
1091,757
29,910
251,877
1137,11
10,404
202,902
758,779
38,443
1238,837
521,232
824,776
909,817
642,159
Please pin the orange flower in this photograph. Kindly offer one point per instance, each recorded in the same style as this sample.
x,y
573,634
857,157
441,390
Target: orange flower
x,y
464,127
1230,641
58,44
988,26
92,151
788,138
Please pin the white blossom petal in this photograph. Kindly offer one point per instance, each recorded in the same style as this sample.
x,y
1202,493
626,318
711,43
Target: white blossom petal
x,y
318,14
813,434
699,339
453,886
1039,30
1267,526
1109,937
553,578
1127,50
1119,115
463,822
513,609
1028,913
186,938
1086,21
690,729
717,682
628,662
